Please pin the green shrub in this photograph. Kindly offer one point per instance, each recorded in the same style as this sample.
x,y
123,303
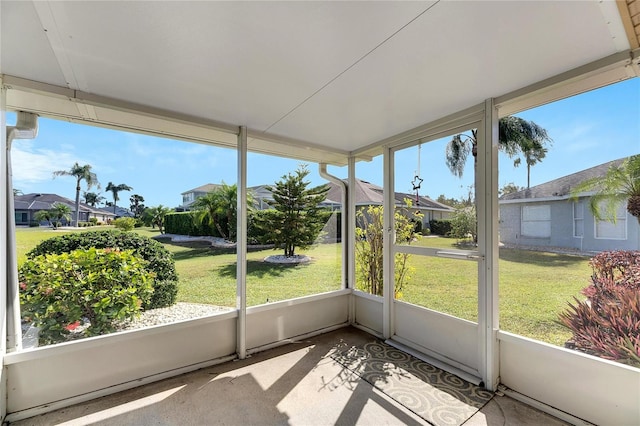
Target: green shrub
x,y
608,323
58,292
440,226
181,223
464,224
160,261
186,223
125,223
34,224
93,220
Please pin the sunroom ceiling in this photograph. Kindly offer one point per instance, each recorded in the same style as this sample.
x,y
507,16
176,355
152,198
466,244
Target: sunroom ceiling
x,y
313,80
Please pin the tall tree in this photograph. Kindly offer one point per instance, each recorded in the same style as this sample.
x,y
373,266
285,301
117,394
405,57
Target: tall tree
x,y
80,173
620,184
91,198
296,221
219,208
114,189
533,152
136,205
157,215
515,135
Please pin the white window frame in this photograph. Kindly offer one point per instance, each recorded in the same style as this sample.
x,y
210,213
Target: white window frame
x,y
537,222
578,207
621,221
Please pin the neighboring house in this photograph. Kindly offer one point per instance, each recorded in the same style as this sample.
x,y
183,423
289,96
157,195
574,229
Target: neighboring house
x,y
188,197
120,212
368,194
543,215
27,205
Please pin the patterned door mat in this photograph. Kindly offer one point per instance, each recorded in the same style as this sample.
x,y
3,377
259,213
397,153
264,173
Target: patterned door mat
x,y
439,397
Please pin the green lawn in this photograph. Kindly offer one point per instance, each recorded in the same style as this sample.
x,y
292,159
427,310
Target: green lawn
x,y
534,286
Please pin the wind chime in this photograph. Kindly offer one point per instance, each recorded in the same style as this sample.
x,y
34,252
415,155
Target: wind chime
x,y
417,180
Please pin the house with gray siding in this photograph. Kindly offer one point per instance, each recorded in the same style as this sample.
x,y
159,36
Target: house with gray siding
x,y
27,205
545,215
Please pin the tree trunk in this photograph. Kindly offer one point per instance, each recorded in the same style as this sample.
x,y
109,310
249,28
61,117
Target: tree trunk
x,y
77,212
633,206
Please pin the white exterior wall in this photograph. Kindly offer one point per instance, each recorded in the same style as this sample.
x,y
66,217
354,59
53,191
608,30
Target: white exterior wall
x,y
598,391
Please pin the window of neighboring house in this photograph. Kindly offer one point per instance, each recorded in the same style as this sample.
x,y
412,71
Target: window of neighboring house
x,y
606,229
21,217
578,219
536,221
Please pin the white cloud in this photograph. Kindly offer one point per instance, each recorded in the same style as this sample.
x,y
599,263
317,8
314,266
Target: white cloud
x,y
32,165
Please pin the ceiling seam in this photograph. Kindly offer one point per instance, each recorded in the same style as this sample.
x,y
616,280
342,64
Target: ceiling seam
x,y
340,74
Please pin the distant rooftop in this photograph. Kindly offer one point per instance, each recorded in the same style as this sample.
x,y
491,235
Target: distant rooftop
x,y
562,186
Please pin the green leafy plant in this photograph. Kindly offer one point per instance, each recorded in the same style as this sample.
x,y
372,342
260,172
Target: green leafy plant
x,y
125,223
59,292
621,184
369,249
608,323
296,220
160,260
440,227
464,224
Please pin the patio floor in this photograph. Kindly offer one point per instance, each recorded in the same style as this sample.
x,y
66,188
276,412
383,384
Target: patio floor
x,y
302,383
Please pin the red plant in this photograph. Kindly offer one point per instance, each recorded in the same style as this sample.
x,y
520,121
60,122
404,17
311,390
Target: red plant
x,y
607,324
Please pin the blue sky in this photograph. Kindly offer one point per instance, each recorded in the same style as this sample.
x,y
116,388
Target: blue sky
x,y
587,130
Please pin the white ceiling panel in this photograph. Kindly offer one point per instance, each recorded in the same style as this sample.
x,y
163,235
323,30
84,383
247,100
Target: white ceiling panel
x,y
453,57
336,75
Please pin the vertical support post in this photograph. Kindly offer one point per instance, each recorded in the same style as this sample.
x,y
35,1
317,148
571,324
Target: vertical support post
x,y
351,233
388,328
487,208
3,243
241,245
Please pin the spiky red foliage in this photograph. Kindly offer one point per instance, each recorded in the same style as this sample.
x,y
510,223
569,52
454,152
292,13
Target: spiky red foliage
x,y
608,323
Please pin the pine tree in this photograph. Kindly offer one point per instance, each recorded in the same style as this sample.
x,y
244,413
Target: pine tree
x,y
296,220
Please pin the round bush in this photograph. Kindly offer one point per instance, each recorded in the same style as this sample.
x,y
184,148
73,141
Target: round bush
x,y
125,223
160,260
59,292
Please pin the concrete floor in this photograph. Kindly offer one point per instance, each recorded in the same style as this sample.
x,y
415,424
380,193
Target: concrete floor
x,y
297,384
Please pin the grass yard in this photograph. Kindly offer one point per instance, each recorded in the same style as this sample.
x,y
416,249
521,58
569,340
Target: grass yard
x,y
534,286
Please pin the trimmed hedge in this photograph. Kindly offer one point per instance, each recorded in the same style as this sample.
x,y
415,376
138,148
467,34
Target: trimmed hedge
x,y
440,227
185,223
160,260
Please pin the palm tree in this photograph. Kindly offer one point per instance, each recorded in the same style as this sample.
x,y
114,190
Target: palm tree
x,y
115,189
91,198
515,135
157,216
620,184
60,211
533,151
207,210
136,205
222,201
80,173
42,215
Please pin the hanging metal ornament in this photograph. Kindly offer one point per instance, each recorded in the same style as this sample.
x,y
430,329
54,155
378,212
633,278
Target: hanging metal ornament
x,y
417,180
